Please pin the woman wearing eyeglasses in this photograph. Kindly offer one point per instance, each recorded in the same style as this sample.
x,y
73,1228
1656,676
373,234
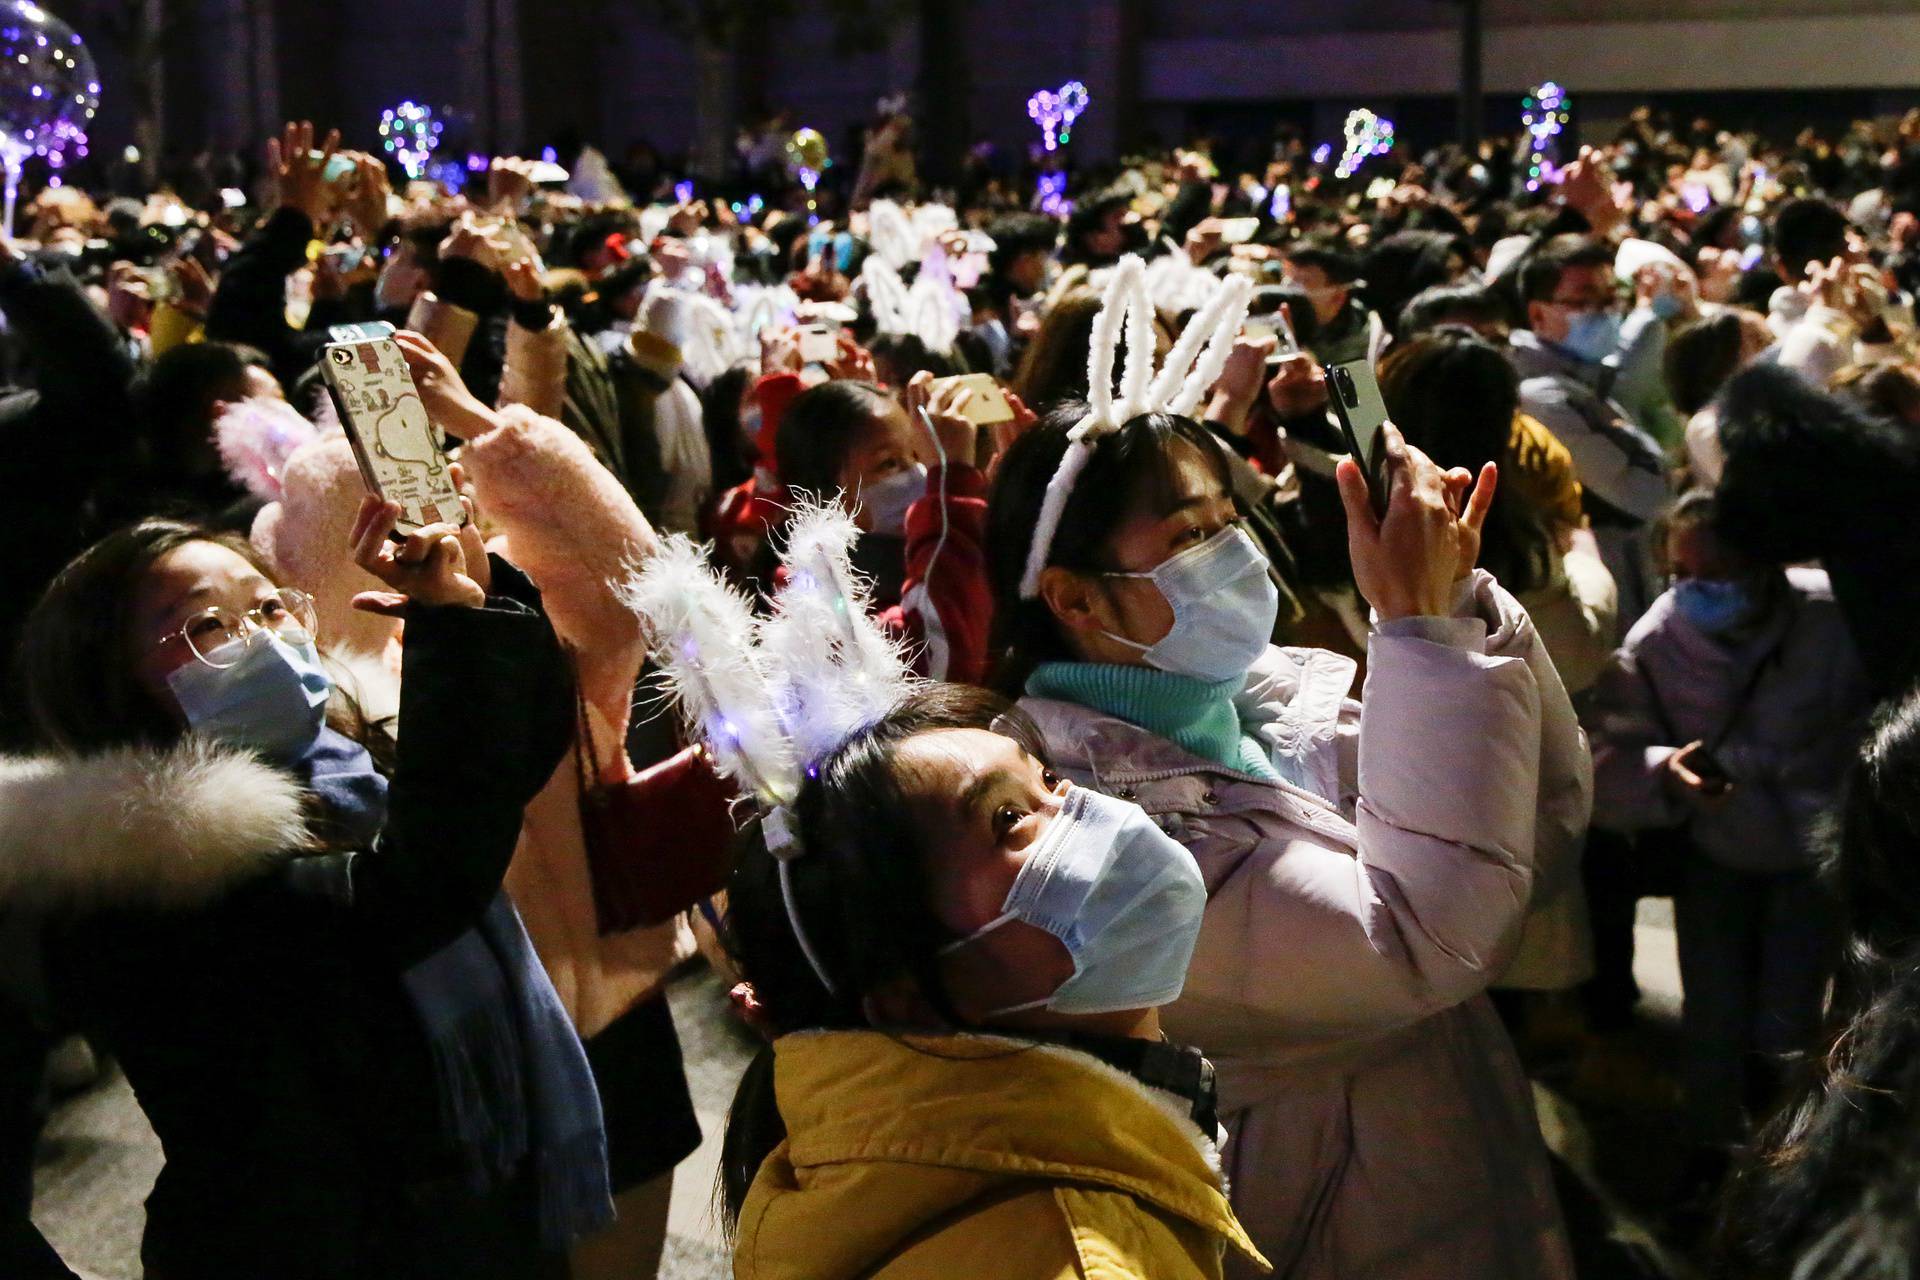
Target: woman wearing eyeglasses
x,y
287,924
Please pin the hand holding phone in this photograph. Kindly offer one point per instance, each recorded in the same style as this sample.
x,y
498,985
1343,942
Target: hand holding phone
x,y
401,457
1409,562
1354,393
1695,769
985,405
819,344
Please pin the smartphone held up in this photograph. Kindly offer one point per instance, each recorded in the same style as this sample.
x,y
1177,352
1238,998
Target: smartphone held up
x,y
1354,393
401,455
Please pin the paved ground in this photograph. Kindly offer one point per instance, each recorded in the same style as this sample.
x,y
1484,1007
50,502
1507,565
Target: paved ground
x,y
1611,1135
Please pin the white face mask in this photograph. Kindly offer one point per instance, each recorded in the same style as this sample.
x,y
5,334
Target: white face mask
x,y
1124,897
1224,604
886,501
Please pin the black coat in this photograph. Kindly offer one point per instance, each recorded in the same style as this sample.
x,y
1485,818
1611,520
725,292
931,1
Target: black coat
x,y
263,1024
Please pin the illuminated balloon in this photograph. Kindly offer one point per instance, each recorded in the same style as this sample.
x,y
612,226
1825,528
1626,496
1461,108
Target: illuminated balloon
x,y
806,149
410,134
49,91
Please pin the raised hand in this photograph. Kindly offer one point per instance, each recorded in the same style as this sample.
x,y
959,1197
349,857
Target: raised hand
x,y
429,567
450,406
299,179
1406,564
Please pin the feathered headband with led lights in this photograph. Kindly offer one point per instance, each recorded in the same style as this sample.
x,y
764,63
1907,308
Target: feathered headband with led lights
x,y
1187,375
772,697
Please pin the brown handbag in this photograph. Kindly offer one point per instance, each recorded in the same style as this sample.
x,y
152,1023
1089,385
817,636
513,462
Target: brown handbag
x,y
657,844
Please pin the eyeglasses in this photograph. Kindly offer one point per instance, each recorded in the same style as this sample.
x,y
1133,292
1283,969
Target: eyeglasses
x,y
1586,306
286,613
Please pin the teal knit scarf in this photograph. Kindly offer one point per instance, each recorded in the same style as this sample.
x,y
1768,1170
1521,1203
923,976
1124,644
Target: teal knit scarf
x,y
1197,715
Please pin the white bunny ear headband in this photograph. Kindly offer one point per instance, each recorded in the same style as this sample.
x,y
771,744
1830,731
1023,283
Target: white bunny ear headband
x,y
1188,374
772,697
929,311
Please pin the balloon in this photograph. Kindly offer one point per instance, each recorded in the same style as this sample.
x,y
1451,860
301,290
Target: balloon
x,y
806,149
49,89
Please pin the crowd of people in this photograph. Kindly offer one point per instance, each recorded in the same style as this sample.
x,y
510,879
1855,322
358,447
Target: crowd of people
x,y
1142,848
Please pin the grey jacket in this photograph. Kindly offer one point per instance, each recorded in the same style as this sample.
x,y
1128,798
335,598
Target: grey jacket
x,y
1786,744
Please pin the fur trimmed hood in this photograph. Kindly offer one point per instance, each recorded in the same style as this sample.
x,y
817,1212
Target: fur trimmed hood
x,y
141,827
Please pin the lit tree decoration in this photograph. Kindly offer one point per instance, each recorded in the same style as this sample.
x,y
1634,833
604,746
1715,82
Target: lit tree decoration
x,y
49,92
409,132
1055,110
1367,135
1544,113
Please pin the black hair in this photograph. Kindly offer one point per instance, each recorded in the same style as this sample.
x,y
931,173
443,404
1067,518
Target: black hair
x,y
73,665
1130,470
1808,230
727,444
1540,274
1339,266
862,893
174,397
1700,357
1407,262
1467,304
1454,396
1832,1176
819,430
898,356
1808,473
1017,234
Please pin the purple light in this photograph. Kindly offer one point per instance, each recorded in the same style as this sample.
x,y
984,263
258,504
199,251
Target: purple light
x,y
1543,113
411,133
1055,110
1323,153
682,192
1051,195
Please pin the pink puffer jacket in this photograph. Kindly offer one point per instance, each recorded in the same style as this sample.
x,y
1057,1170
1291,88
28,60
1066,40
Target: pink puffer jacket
x,y
1379,1124
565,521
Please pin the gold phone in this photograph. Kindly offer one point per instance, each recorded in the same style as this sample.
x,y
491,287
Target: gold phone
x,y
987,405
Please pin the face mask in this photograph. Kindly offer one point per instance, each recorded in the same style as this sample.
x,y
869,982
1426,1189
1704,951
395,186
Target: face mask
x,y
1223,603
272,700
886,501
1713,606
1123,896
1593,336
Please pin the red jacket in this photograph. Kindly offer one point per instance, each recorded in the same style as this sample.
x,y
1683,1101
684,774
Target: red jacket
x,y
946,606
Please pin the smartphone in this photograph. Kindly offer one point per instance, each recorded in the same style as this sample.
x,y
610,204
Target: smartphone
x,y
988,403
1710,769
819,344
1238,230
1355,395
339,165
399,451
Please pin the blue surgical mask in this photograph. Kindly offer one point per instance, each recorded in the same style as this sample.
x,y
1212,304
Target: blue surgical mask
x,y
1592,335
1224,604
1124,897
272,699
1712,605
886,501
